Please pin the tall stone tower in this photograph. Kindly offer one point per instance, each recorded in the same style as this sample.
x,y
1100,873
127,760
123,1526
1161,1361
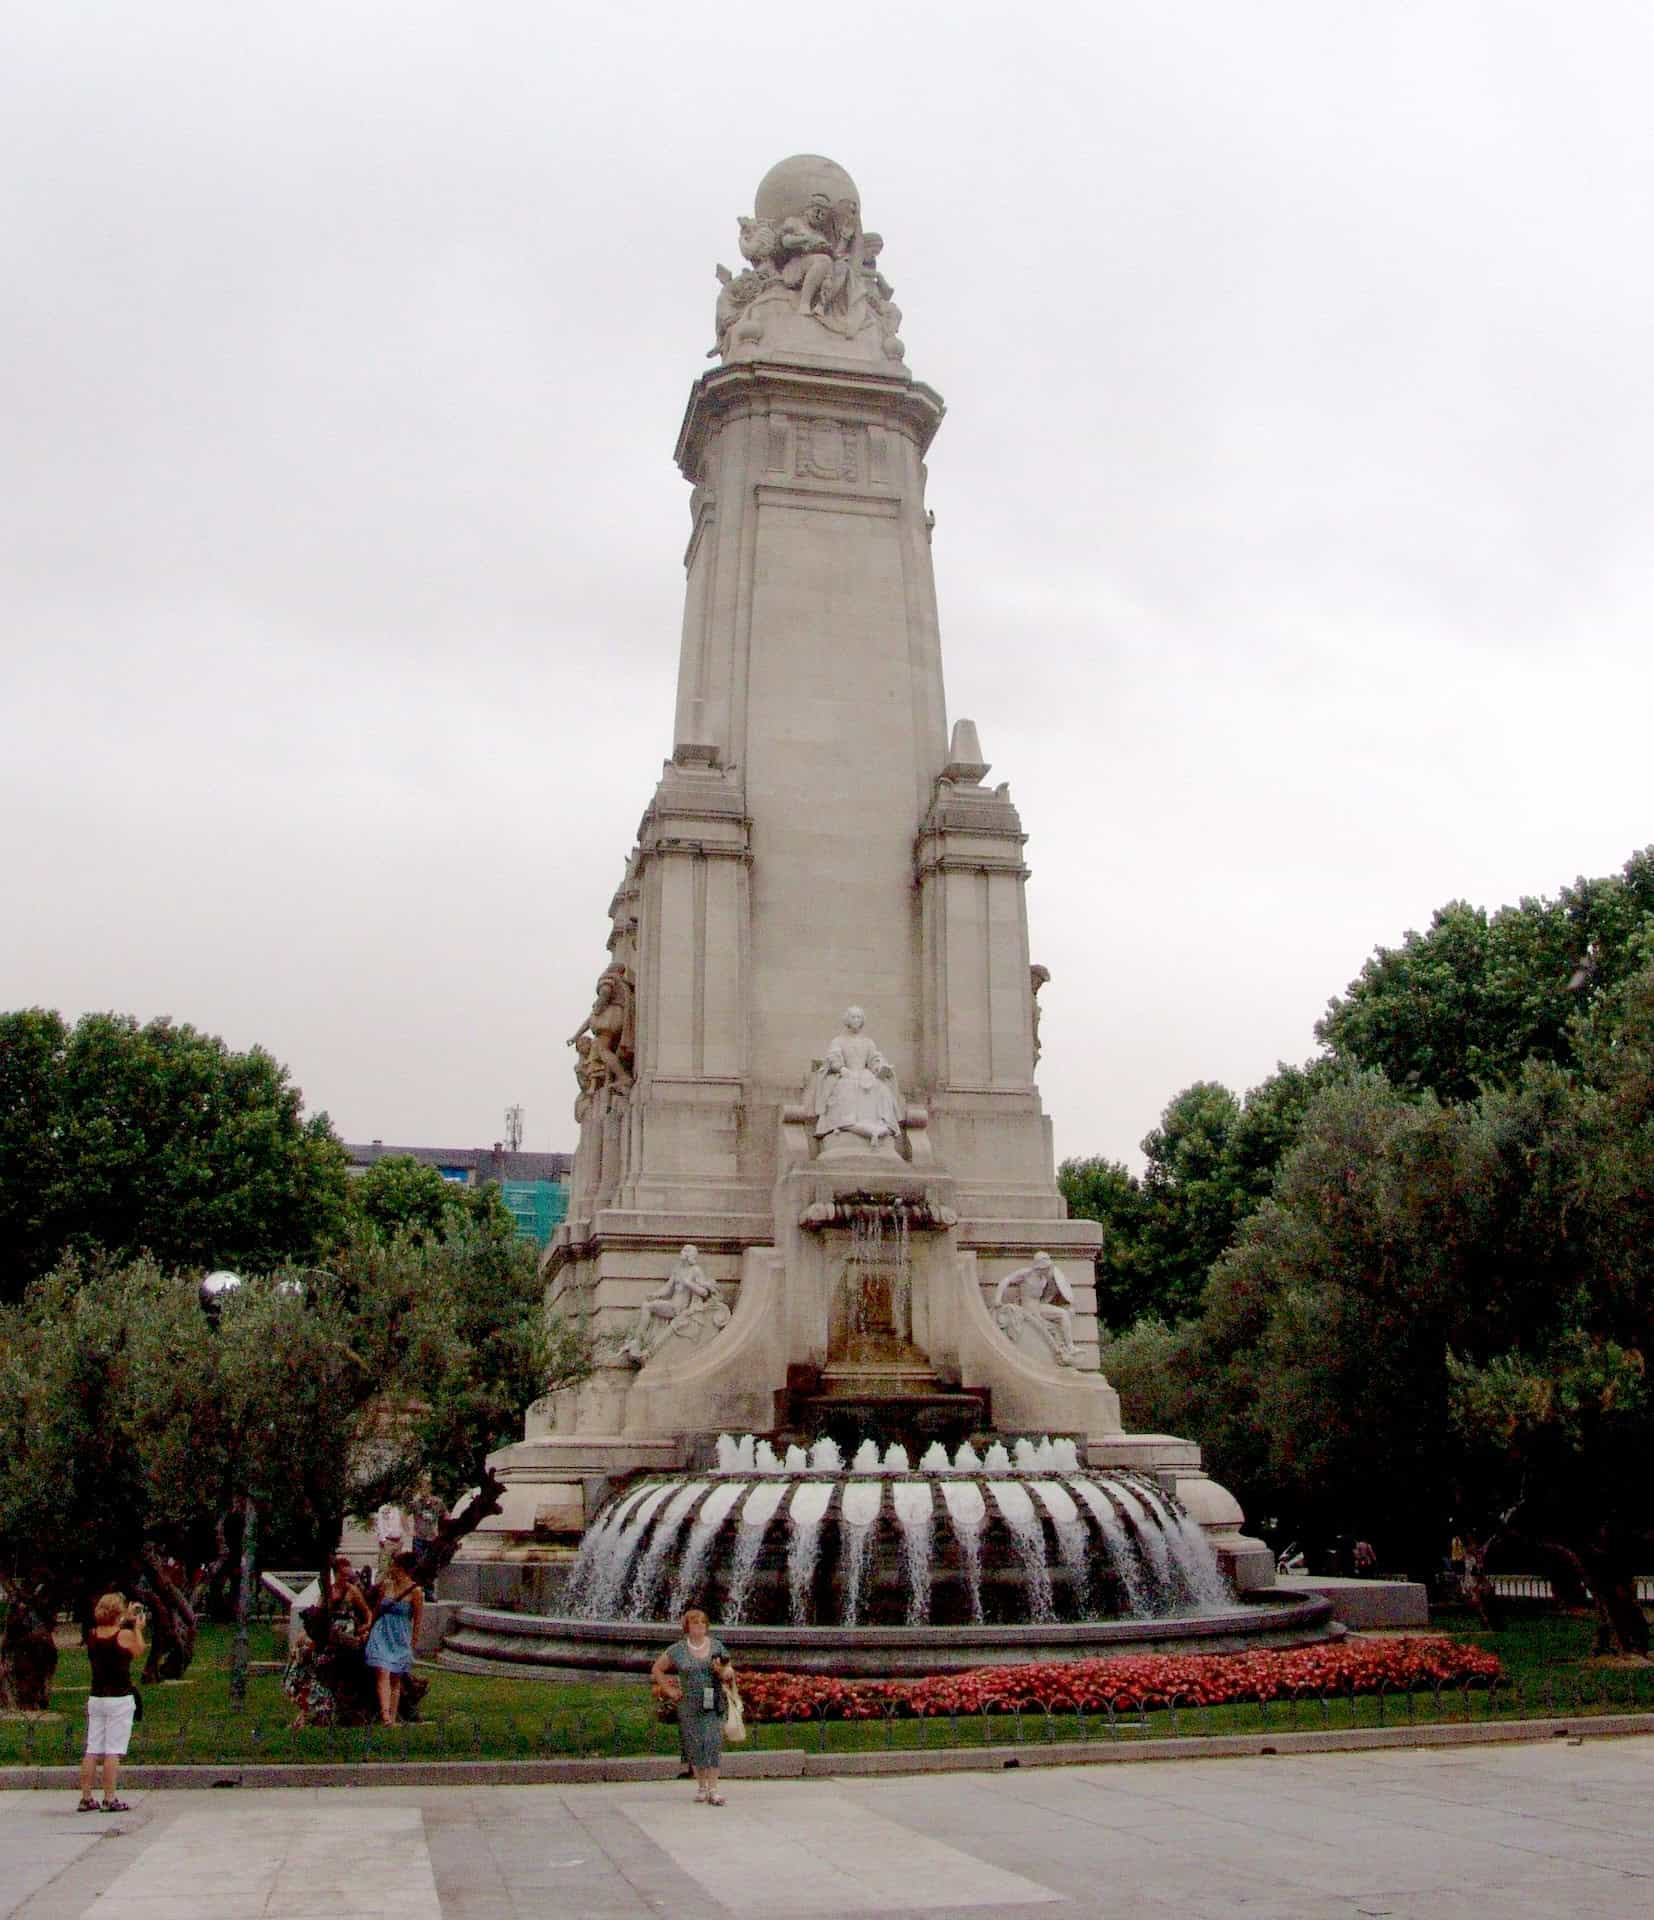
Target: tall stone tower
x,y
820,839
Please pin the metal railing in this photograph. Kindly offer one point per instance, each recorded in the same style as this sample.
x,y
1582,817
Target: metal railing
x,y
622,1730
1535,1586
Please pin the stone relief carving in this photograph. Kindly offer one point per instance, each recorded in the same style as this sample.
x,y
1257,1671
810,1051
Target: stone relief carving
x,y
826,450
853,1089
1037,977
605,1041
688,1310
815,260
1043,1306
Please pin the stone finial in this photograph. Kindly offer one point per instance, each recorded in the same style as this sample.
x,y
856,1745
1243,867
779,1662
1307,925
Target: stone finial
x,y
965,762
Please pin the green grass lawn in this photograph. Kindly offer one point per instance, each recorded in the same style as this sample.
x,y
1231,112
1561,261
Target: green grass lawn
x,y
1546,1657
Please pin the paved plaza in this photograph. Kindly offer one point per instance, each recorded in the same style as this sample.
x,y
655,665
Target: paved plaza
x,y
1552,1829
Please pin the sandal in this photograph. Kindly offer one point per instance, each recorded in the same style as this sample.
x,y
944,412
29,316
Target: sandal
x,y
88,1804
115,1806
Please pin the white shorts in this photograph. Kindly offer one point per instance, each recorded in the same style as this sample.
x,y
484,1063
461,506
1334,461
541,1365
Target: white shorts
x,y
109,1722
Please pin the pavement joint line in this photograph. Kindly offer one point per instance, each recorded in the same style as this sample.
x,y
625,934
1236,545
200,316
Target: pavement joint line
x,y
803,1762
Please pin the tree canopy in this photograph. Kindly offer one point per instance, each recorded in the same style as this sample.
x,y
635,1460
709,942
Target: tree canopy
x,y
1444,1309
132,1422
1468,1002
1211,1161
123,1139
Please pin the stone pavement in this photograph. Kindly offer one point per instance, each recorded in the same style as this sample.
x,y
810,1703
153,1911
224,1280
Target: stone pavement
x,y
1552,1829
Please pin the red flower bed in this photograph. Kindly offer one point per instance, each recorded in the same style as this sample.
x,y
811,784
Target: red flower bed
x,y
1128,1683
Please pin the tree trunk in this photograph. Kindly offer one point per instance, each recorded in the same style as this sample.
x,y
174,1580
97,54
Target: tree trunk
x,y
28,1653
1622,1626
1479,1589
173,1620
436,1554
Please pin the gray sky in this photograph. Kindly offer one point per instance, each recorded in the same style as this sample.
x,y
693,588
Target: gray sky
x,y
1293,504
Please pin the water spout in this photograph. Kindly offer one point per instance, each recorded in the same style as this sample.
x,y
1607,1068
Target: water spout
x,y
711,1516
805,1513
934,1459
1028,1537
916,1518
756,1515
858,1512
969,1514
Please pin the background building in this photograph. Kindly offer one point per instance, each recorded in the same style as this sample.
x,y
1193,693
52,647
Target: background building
x,y
534,1186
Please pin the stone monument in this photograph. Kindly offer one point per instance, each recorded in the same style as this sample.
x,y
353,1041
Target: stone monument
x,y
819,838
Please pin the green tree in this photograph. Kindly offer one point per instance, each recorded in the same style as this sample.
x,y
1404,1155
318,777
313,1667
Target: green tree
x,y
1210,1163
117,1138
1444,1310
400,1194
132,1425
1464,1004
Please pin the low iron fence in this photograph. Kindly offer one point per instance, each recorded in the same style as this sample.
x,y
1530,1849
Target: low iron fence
x,y
612,1732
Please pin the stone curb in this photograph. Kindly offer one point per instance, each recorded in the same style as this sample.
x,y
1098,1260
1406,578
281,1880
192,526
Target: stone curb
x,y
793,1763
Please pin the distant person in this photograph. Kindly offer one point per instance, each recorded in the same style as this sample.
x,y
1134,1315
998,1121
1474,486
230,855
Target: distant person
x,y
1365,1558
116,1640
693,1674
390,1529
428,1514
396,1621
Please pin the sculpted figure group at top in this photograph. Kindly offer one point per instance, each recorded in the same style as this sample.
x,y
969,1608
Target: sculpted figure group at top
x,y
824,262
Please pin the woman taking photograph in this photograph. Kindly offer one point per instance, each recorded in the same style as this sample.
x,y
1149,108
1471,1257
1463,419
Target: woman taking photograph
x,y
116,1640
390,1648
693,1673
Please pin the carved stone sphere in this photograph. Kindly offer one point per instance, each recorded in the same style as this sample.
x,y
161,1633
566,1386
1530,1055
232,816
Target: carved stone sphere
x,y
786,189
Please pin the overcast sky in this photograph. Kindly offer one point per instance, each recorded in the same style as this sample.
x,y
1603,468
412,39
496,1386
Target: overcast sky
x,y
1293,504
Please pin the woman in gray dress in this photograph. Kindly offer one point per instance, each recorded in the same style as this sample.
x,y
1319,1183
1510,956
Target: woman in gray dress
x,y
692,1673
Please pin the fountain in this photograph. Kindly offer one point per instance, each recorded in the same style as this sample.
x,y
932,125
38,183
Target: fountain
x,y
878,1565
847,1393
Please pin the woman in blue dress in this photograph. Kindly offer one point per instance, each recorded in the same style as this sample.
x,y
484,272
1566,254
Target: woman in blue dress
x,y
390,1648
692,1673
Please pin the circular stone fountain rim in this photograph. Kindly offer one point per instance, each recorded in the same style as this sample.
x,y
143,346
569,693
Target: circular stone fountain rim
x,y
484,1640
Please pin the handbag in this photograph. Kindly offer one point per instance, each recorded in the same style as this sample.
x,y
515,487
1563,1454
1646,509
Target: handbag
x,y
735,1719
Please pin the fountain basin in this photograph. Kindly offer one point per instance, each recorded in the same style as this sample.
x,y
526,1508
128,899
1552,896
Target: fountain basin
x,y
535,1646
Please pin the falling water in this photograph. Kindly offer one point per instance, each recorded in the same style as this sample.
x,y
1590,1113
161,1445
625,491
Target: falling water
x,y
805,1513
858,1511
707,1522
1151,1536
647,1577
594,1553
1073,1542
1028,1537
1123,1556
969,1514
602,1598
916,1518
756,1515
901,1282
1191,1551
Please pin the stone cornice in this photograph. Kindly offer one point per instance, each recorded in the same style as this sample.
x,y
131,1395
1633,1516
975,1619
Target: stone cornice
x,y
897,398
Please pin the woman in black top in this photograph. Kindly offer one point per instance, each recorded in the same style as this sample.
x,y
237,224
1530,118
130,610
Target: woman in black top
x,y
116,1640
